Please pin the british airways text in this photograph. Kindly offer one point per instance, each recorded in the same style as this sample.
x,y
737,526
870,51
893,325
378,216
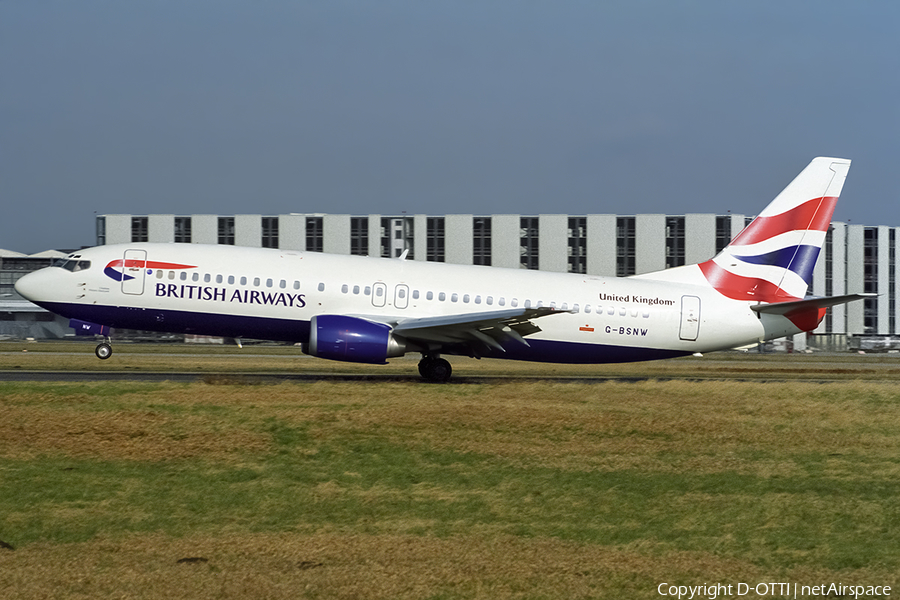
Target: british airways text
x,y
217,294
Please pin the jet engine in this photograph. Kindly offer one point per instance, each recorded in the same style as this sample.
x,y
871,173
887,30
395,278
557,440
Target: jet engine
x,y
352,339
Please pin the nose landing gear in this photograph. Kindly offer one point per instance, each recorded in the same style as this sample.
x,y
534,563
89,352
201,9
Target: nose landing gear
x,y
435,369
103,350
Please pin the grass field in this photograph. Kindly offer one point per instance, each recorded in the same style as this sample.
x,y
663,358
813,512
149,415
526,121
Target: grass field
x,y
408,490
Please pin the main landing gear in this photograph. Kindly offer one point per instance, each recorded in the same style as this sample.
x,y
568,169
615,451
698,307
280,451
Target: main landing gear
x,y
103,350
434,368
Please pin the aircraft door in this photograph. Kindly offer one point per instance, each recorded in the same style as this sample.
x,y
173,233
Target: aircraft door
x,y
379,294
133,272
690,318
401,296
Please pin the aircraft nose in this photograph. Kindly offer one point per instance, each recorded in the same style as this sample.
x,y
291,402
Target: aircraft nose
x,y
33,286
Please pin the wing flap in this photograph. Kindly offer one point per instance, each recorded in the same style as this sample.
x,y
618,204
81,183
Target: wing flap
x,y
490,329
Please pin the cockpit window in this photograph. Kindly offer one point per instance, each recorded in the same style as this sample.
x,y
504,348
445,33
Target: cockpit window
x,y
72,265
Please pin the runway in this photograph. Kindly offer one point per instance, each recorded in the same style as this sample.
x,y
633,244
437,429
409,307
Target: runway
x,y
223,378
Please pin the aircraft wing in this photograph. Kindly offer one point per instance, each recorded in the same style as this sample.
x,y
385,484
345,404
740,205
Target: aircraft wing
x,y
784,308
474,329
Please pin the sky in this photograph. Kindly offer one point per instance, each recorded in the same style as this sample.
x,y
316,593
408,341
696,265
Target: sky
x,y
437,107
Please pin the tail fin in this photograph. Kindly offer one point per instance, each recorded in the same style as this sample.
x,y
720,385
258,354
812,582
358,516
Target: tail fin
x,y
772,259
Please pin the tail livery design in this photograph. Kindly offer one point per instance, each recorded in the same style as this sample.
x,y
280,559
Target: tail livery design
x,y
772,259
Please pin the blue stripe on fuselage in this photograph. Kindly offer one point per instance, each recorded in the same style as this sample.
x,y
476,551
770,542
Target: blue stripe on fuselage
x,y
294,330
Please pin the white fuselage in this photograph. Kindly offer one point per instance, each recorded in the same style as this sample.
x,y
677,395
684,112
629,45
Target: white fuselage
x,y
273,294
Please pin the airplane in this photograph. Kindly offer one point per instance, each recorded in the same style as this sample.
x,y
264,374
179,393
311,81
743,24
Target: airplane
x,y
367,310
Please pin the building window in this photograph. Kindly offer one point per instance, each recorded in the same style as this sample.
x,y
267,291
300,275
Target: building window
x,y
870,279
674,242
226,231
182,230
528,243
577,245
625,234
101,231
270,232
892,279
481,241
723,232
139,229
314,234
435,239
359,236
397,235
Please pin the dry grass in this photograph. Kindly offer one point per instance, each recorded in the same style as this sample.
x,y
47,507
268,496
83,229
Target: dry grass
x,y
334,565
409,490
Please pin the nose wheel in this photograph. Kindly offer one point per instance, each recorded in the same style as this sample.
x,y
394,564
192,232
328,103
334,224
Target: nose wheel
x,y
435,369
103,351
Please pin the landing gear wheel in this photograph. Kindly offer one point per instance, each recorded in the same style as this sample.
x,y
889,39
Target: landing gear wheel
x,y
103,351
436,370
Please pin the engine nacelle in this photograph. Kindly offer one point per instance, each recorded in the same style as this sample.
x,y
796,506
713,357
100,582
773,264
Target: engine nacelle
x,y
352,339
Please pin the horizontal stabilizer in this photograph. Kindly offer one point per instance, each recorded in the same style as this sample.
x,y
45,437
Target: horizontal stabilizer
x,y
808,313
783,308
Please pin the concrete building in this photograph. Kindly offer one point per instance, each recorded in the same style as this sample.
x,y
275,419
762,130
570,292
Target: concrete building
x,y
855,258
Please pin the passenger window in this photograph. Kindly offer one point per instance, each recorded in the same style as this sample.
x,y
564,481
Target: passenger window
x,y
442,296
268,283
182,276
401,293
356,289
587,309
321,287
296,285
159,274
622,311
344,289
454,297
611,310
646,314
489,300
415,294
466,298
477,299
576,308
565,306
207,278
367,290
243,281
171,275
514,303
429,296
282,284
256,282
218,279
528,304
230,279
502,301
378,291
194,277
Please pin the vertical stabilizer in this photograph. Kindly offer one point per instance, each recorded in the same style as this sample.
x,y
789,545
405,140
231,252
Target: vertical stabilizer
x,y
772,259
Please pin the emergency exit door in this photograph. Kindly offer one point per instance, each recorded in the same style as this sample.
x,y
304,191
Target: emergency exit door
x,y
690,318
